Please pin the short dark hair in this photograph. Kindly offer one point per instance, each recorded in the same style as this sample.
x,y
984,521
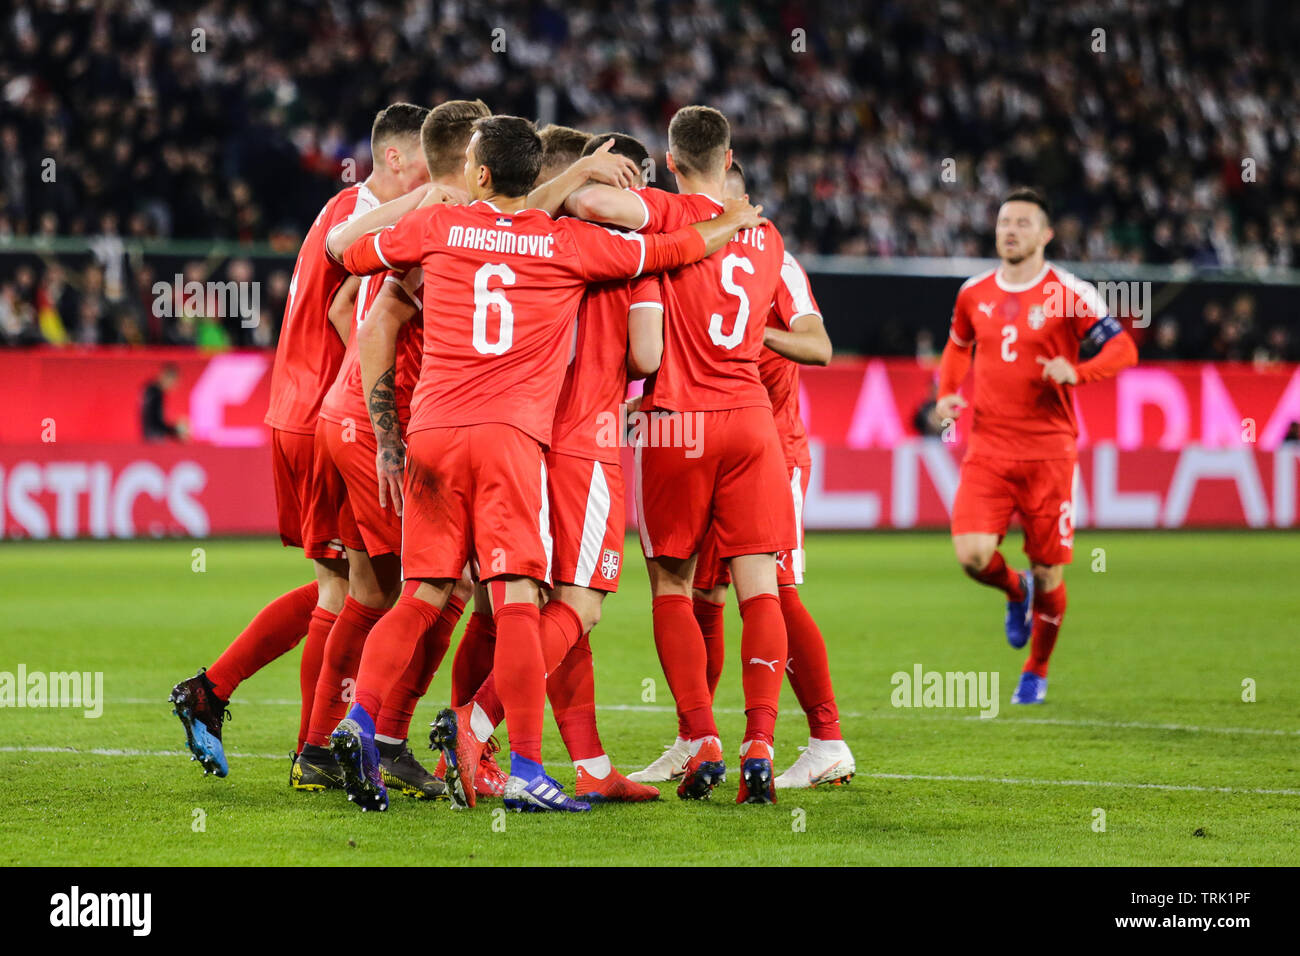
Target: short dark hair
x,y
394,122
624,145
445,133
561,147
511,150
1029,194
698,138
737,170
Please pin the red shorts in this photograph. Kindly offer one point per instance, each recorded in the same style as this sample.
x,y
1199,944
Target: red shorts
x,y
587,521
475,492
302,525
718,471
711,571
1041,492
363,525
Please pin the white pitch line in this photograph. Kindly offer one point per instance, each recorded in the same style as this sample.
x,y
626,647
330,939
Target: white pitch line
x,y
865,715
950,778
927,777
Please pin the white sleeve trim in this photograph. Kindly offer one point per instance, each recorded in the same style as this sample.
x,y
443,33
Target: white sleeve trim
x,y
646,305
405,291
379,252
957,338
645,222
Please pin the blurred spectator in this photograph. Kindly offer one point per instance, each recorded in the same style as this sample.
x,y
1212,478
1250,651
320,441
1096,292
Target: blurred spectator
x,y
1164,344
153,421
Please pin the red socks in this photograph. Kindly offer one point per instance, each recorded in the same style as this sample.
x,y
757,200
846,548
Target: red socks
x,y
313,656
521,676
763,655
808,670
394,718
277,628
390,647
998,575
571,688
342,655
1049,611
709,617
560,629
682,656
473,661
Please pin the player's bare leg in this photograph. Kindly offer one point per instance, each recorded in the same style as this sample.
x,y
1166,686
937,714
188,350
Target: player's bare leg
x,y
571,689
1048,613
763,654
979,557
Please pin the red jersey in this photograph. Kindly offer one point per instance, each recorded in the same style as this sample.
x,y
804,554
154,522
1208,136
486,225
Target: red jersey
x,y
346,398
714,312
586,416
501,292
780,376
310,351
1016,413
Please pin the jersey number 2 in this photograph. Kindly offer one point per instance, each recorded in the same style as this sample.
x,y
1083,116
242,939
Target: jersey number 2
x,y
729,266
485,298
1008,337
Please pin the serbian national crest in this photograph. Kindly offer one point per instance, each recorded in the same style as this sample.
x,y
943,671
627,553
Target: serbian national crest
x,y
1036,317
609,565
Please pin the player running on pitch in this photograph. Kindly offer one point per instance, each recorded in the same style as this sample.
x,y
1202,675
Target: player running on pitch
x,y
1026,319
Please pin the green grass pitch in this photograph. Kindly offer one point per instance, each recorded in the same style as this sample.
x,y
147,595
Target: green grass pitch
x,y
1145,729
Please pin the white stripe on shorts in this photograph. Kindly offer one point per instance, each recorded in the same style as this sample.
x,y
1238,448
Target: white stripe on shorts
x,y
544,522
796,493
640,504
593,526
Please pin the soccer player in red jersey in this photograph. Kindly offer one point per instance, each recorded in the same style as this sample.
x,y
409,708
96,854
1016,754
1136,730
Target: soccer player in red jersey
x,y
307,360
346,451
1026,320
502,285
795,335
586,485
712,456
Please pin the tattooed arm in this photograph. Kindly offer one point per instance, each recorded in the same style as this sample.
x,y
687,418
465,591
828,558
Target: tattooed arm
x,y
377,346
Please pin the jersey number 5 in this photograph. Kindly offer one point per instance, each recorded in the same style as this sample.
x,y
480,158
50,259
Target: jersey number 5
x,y
485,298
729,266
1008,337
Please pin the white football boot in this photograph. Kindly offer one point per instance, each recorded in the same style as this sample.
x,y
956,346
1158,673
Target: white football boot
x,y
822,761
670,766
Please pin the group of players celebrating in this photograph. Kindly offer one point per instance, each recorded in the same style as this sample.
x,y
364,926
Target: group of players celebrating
x,y
449,405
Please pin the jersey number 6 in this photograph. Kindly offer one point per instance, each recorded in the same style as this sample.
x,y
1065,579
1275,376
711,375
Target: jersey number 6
x,y
483,299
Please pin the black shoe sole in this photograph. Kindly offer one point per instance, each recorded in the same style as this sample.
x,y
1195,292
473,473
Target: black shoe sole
x,y
700,784
442,736
347,754
183,708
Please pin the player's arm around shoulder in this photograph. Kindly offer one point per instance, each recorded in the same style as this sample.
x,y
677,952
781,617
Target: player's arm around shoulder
x,y
398,247
393,307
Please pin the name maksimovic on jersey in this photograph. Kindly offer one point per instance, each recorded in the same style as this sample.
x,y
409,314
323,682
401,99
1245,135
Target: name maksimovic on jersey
x,y
502,240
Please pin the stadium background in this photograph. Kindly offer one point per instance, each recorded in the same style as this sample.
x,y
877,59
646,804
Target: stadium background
x,y
140,142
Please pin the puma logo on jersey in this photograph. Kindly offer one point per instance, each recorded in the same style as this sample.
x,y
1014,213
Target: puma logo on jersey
x,y
770,665
1054,621
986,308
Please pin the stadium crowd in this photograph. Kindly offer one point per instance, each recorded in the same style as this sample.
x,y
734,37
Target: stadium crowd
x,y
869,129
